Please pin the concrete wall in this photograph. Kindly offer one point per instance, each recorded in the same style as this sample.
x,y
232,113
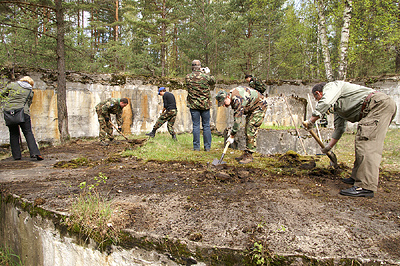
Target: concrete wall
x,y
38,242
84,92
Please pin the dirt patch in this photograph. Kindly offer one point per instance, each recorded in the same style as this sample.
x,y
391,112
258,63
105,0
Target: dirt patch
x,y
294,209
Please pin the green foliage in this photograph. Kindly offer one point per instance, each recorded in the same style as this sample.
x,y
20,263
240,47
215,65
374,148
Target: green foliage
x,y
7,257
91,213
272,39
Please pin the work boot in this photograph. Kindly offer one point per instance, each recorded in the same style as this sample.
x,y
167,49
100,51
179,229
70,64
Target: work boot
x,y
247,158
241,156
151,134
174,137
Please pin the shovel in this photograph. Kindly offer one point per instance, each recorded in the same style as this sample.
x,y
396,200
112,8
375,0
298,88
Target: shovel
x,y
218,162
330,154
130,141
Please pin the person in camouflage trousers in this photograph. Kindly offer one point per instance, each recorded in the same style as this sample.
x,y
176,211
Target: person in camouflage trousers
x,y
199,102
252,104
168,114
103,110
256,84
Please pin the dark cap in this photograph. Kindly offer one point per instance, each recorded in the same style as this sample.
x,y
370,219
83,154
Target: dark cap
x,y
221,95
160,90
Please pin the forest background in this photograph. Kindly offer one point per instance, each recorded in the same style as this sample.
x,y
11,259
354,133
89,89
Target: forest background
x,y
271,39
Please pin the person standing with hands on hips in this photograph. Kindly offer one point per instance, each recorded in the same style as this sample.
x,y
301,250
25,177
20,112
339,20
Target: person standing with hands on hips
x,y
104,109
199,102
168,114
19,95
252,104
374,111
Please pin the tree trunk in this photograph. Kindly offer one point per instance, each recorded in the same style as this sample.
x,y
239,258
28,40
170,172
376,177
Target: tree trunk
x,y
344,41
163,38
116,19
61,80
324,40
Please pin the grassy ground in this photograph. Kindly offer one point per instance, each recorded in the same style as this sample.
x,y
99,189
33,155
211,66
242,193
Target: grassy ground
x,y
163,148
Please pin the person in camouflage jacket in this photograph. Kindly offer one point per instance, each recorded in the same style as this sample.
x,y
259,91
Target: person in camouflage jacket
x,y
199,102
256,84
104,109
245,102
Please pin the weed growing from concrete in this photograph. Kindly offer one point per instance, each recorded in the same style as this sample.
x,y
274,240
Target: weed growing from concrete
x,y
7,257
91,213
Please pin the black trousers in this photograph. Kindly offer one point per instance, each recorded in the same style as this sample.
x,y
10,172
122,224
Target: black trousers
x,y
26,128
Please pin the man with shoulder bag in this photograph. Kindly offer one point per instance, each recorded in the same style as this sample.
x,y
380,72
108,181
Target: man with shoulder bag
x,y
17,115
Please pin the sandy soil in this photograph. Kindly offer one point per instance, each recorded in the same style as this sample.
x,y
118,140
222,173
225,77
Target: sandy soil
x,y
220,206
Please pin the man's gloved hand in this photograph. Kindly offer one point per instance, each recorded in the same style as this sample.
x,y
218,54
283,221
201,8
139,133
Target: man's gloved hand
x,y
120,129
230,140
107,119
326,149
308,124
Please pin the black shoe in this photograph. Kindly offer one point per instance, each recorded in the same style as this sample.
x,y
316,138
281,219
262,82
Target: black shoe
x,y
151,134
357,192
17,159
39,158
174,137
348,181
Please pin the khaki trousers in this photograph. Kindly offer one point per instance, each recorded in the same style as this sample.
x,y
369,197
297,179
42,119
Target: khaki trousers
x,y
371,132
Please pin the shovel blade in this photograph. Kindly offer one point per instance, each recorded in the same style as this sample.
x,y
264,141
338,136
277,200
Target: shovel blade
x,y
217,162
333,159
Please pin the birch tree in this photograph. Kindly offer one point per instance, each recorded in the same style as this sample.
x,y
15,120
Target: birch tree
x,y
344,40
324,39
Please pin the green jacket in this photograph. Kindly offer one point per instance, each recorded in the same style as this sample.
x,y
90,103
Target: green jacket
x,y
199,93
346,99
110,106
244,101
17,93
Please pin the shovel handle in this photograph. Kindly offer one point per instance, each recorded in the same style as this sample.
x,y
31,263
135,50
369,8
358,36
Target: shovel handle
x,y
317,139
226,147
118,130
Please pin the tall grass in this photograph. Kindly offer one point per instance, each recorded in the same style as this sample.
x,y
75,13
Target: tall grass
x,y
7,257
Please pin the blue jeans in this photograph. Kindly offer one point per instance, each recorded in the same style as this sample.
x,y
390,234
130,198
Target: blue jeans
x,y
205,119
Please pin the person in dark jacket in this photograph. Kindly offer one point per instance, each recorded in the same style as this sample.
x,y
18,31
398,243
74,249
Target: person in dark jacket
x,y
19,95
168,114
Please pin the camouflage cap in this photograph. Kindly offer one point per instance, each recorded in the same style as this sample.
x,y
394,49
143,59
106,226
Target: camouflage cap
x,y
221,95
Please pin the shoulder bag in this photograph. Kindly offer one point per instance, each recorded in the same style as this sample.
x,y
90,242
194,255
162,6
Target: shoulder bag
x,y
16,116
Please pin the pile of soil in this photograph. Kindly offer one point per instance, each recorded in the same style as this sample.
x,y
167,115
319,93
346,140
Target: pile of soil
x,y
225,206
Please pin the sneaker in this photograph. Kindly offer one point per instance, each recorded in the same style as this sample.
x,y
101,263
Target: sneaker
x,y
39,158
348,181
357,192
248,158
151,134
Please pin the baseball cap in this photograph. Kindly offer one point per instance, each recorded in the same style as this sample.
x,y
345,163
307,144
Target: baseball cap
x,y
221,95
160,89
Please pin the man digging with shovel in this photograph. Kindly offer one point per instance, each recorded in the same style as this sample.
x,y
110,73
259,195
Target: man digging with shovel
x,y
252,104
374,111
104,109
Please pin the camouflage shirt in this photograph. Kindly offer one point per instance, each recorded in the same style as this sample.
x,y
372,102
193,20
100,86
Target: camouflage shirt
x,y
198,84
244,101
257,85
110,106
